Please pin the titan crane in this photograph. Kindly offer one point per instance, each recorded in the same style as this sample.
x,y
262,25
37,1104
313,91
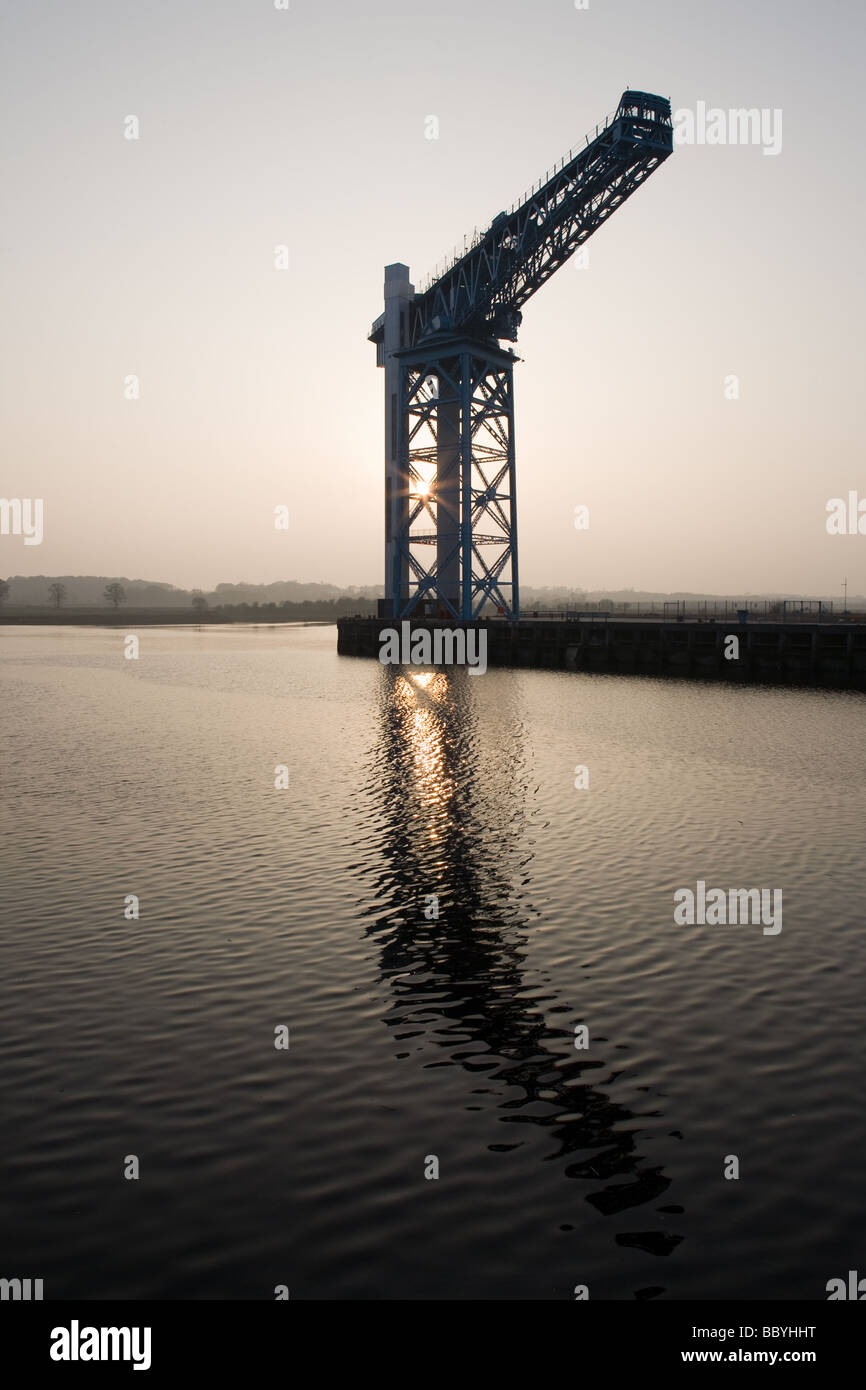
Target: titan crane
x,y
449,393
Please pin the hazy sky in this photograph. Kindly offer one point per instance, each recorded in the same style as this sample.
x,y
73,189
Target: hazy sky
x,y
260,127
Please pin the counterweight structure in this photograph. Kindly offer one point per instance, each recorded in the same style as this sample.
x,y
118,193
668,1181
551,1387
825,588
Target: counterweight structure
x,y
450,494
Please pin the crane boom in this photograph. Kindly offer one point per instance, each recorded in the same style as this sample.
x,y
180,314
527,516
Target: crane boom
x,y
484,290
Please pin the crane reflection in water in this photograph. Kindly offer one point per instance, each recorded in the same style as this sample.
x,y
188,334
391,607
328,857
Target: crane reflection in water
x,y
453,797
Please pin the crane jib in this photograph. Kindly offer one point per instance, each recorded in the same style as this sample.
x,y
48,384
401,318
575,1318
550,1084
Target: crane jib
x,y
483,291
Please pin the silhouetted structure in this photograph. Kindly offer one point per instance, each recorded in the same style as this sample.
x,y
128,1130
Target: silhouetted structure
x,y
792,652
449,395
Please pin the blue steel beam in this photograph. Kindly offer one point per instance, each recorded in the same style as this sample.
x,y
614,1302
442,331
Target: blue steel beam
x,y
482,292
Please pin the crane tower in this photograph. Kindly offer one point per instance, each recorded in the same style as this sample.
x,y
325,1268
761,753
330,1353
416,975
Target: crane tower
x,y
450,496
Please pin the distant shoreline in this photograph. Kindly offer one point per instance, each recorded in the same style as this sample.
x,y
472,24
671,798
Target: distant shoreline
x,y
155,617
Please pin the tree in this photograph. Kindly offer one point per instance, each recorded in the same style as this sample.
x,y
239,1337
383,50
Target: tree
x,y
199,602
57,592
114,593
4,591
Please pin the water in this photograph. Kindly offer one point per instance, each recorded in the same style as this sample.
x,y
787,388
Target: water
x,y
412,1037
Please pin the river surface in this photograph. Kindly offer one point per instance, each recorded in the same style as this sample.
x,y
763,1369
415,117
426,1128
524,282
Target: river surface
x,y
418,1041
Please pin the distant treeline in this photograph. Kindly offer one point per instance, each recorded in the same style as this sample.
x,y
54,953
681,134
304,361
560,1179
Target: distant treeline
x,y
293,599
86,590
311,611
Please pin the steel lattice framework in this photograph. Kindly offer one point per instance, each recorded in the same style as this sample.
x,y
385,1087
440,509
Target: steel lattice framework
x,y
449,417
457,446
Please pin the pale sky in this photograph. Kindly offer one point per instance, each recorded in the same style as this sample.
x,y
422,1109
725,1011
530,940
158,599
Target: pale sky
x,y
260,127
